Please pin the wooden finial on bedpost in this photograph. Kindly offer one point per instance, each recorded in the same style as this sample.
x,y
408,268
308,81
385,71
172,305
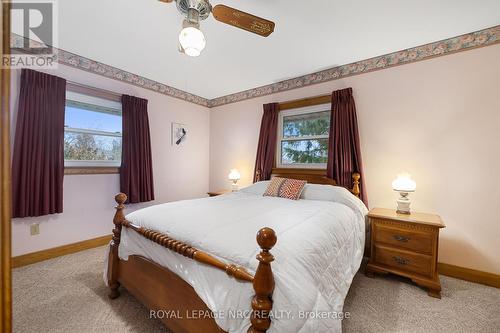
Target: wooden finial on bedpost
x,y
263,283
257,176
113,260
120,199
355,181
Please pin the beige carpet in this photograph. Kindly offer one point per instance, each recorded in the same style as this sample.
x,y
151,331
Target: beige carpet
x,y
67,294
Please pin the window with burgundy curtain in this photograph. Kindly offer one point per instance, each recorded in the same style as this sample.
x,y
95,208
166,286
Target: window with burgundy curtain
x,y
136,172
38,157
267,142
344,152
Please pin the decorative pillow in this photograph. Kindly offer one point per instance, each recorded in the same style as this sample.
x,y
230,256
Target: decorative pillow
x,y
292,188
273,189
285,188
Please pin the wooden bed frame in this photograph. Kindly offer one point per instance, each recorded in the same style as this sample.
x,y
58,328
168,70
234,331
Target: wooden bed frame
x,y
158,288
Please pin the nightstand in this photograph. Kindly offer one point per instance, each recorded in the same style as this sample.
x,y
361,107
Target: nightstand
x,y
406,245
216,193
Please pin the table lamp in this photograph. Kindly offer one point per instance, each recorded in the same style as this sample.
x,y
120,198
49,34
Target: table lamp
x,y
404,185
234,176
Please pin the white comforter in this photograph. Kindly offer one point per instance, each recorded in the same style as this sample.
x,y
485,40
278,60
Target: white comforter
x,y
319,249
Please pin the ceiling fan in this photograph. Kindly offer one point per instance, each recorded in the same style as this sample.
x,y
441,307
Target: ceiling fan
x,y
191,39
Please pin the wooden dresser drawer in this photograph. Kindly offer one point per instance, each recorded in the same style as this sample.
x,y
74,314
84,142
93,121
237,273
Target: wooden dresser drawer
x,y
406,245
403,260
415,240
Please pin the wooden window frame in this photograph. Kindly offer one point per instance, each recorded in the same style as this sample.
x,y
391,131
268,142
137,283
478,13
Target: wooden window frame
x,y
301,106
71,171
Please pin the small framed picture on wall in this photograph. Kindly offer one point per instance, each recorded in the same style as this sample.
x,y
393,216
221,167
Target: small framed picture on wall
x,y
179,134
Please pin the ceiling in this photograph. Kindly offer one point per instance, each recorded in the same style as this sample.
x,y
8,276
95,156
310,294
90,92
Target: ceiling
x,y
141,36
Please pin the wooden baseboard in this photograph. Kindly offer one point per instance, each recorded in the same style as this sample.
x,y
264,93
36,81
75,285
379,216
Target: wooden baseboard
x,y
31,258
458,272
468,274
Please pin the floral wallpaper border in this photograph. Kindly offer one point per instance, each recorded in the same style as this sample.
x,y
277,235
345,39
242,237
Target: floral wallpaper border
x,y
73,60
465,42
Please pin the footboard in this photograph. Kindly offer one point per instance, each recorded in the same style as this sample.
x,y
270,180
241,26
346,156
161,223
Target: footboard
x,y
263,280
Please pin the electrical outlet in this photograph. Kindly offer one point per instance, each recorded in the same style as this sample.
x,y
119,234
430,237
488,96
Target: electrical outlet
x,y
34,229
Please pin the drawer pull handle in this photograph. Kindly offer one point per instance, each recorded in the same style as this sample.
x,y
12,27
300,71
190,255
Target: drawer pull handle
x,y
401,238
401,261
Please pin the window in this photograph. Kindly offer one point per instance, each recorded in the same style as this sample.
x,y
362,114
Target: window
x,y
92,131
303,137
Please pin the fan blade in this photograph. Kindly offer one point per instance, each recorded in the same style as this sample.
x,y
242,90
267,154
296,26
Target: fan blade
x,y
243,20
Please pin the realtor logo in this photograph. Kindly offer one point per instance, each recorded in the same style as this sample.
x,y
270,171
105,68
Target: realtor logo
x,y
33,35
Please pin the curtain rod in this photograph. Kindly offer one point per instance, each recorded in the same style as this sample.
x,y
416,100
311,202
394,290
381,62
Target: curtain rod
x,y
92,91
309,101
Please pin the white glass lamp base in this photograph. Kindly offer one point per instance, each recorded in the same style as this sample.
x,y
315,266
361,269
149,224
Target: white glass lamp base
x,y
403,203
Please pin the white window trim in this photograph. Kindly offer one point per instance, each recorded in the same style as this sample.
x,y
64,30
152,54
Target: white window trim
x,y
292,112
91,163
92,132
93,100
94,108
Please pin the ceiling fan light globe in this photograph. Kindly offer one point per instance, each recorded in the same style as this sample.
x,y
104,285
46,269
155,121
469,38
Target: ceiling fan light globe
x,y
192,52
192,41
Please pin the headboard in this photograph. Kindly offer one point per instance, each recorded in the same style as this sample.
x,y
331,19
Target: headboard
x,y
315,176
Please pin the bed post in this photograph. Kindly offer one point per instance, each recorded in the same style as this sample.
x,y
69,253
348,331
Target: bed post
x,y
113,259
355,184
263,283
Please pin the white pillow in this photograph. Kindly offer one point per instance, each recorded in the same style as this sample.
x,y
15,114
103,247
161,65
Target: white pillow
x,y
256,188
336,194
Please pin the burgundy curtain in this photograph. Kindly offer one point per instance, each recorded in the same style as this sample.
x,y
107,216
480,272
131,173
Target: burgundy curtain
x,y
267,142
344,153
136,172
38,157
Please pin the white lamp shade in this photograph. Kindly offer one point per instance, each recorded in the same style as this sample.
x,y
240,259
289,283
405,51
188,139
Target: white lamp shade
x,y
234,175
192,41
404,183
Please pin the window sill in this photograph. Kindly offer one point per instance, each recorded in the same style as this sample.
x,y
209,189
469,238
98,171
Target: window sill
x,y
91,170
298,170
310,166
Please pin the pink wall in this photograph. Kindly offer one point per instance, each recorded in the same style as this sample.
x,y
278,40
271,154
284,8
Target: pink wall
x,y
438,119
179,172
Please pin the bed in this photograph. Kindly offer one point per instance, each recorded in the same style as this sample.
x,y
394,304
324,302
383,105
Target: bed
x,y
175,258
